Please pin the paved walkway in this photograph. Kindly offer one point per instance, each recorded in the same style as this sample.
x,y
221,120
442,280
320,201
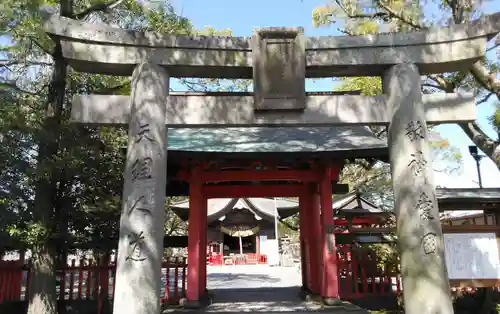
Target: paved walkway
x,y
261,289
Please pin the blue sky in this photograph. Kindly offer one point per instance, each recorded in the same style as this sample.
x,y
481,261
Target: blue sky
x,y
243,16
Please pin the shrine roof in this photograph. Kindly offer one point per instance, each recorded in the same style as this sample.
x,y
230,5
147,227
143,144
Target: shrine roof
x,y
353,204
467,199
262,207
346,141
463,214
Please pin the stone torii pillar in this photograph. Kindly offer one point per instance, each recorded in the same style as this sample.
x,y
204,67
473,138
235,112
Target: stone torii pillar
x,y
420,239
140,247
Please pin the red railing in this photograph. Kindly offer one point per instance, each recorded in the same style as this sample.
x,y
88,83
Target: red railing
x,y
245,259
87,280
11,276
174,271
359,274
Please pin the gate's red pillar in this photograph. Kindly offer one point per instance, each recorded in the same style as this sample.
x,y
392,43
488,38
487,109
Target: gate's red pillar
x,y
315,238
257,246
196,212
304,203
329,283
203,248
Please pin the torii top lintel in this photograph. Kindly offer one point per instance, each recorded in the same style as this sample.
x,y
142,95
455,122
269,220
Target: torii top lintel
x,y
107,50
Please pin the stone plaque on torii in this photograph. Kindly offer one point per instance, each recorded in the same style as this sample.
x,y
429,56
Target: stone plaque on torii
x,y
278,60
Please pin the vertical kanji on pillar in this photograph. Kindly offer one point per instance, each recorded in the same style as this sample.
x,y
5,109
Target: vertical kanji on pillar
x,y
425,280
140,247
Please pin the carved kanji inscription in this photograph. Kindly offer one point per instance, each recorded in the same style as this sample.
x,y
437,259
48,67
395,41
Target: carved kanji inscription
x,y
143,133
141,205
142,169
418,163
429,243
425,207
414,130
136,244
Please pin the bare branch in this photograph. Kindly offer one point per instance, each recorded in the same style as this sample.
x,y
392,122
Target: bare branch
x,y
457,11
379,134
483,141
99,7
440,80
7,63
497,43
486,79
13,85
37,43
485,98
381,15
400,16
107,91
343,31
432,86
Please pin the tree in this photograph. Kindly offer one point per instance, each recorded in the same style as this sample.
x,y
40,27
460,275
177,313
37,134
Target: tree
x,y
57,193
375,16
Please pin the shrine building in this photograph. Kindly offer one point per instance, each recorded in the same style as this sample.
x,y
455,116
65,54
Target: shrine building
x,y
251,220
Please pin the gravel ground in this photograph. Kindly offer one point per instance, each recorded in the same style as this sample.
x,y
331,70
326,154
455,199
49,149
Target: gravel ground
x,y
261,289
252,276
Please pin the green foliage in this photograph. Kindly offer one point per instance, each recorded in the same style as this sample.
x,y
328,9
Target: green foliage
x,y
369,86
87,173
374,182
377,16
61,183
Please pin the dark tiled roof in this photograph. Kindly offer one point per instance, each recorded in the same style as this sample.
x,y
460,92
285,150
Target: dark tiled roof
x,y
262,207
263,139
468,199
353,204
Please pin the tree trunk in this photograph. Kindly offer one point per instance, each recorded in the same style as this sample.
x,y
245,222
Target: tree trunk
x,y
42,296
42,290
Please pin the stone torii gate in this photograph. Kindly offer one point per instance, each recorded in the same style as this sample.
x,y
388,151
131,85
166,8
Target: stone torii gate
x,y
278,60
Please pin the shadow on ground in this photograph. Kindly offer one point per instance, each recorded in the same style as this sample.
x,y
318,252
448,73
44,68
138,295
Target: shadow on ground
x,y
266,300
227,280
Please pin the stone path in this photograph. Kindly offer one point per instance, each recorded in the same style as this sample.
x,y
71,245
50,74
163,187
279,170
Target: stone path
x,y
260,289
252,276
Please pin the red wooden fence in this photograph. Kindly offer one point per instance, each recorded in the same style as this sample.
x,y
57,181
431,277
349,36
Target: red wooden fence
x,y
359,274
246,259
87,280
